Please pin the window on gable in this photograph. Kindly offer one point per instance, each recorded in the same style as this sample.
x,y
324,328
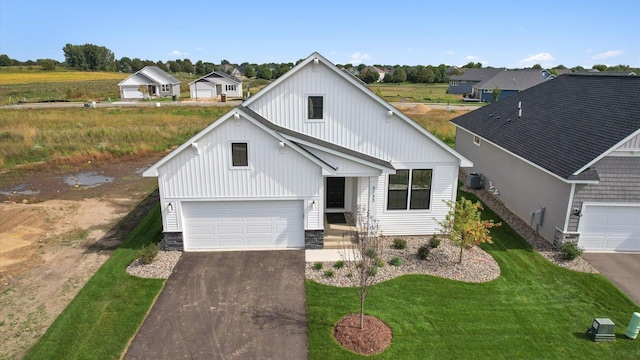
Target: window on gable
x,y
476,140
315,107
239,154
409,189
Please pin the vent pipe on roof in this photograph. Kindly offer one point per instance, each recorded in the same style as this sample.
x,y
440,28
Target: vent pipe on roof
x,y
519,109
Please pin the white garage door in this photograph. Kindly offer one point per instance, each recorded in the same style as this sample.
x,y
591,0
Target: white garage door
x,y
243,224
132,93
203,94
610,228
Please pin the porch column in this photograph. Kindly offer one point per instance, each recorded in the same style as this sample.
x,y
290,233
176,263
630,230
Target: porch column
x,y
373,189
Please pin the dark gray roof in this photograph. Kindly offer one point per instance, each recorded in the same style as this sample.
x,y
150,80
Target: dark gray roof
x,y
216,74
519,79
481,74
313,140
566,122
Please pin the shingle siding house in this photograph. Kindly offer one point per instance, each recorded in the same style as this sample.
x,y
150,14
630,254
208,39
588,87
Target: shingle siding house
x,y
565,157
156,83
463,84
215,83
509,82
315,141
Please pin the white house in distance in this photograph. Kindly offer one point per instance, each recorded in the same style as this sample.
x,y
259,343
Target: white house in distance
x,y
313,142
215,83
156,82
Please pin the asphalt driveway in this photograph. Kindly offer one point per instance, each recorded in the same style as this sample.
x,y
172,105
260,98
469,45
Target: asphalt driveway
x,y
228,305
623,269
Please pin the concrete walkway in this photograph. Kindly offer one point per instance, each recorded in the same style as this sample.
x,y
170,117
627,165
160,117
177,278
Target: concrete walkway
x,y
623,269
228,305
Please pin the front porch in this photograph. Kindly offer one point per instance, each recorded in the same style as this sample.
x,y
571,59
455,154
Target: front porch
x,y
336,231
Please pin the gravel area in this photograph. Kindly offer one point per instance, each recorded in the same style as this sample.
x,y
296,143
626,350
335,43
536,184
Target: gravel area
x,y
477,265
161,267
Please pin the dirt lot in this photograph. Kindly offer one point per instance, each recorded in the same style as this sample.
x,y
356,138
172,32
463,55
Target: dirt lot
x,y
58,224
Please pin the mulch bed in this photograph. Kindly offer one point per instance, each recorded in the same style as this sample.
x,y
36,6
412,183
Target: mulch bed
x,y
373,339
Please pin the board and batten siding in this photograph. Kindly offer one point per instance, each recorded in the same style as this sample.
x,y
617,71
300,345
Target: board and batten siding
x,y
523,188
273,173
619,183
351,118
418,222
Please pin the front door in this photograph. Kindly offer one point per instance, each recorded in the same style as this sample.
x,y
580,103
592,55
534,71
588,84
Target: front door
x,y
335,193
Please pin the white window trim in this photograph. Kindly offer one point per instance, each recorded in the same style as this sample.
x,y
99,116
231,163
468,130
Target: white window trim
x,y
455,82
477,140
324,108
248,167
413,211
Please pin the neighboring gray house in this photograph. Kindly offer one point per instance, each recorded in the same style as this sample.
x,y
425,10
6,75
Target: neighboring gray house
x,y
149,81
564,156
215,83
509,82
316,141
230,69
463,84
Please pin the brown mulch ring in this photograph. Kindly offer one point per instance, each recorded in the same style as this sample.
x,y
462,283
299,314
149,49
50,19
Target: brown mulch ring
x,y
373,339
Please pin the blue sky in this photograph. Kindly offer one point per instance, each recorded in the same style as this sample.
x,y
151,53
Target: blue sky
x,y
497,33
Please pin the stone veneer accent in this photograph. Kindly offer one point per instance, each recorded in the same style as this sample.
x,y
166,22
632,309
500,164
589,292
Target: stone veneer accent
x,y
314,239
172,241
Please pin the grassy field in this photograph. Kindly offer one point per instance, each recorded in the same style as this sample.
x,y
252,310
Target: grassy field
x,y
109,309
422,93
436,121
534,310
75,135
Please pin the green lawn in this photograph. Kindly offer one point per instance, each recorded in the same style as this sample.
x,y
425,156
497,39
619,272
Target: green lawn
x,y
107,312
410,92
535,310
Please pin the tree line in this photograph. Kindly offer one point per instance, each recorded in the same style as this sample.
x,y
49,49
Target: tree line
x,y
90,57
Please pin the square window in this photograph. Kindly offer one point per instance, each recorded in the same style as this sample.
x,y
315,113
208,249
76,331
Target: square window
x,y
239,154
315,107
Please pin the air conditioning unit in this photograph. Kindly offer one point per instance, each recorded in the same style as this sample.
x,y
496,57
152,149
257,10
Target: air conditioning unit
x,y
474,181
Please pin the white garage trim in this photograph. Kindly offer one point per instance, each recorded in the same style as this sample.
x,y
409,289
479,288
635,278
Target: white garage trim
x,y
610,227
217,225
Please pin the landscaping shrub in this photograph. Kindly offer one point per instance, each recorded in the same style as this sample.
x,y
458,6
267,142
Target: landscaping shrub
x,y
378,262
399,243
434,242
147,253
373,271
423,252
371,253
395,261
339,264
570,251
317,265
328,273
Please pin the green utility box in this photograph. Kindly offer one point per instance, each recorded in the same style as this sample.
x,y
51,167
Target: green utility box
x,y
602,330
634,326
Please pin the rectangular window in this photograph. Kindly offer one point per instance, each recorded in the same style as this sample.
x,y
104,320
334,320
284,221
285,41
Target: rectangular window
x,y
315,107
239,154
164,88
420,189
398,190
476,140
418,181
230,87
454,82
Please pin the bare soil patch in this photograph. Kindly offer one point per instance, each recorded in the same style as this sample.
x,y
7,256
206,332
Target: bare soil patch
x,y
373,338
54,236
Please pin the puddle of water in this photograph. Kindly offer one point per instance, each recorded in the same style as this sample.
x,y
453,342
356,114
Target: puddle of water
x,y
87,179
19,190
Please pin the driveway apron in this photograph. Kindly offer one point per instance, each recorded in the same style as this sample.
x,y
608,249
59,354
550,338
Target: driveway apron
x,y
228,305
623,269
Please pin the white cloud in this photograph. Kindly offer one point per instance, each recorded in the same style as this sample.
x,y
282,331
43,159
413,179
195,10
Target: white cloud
x,y
607,55
470,58
199,48
177,53
449,52
589,50
544,59
358,58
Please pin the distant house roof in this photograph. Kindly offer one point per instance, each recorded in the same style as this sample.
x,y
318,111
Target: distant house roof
x,y
567,123
216,74
477,74
519,79
151,75
228,69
